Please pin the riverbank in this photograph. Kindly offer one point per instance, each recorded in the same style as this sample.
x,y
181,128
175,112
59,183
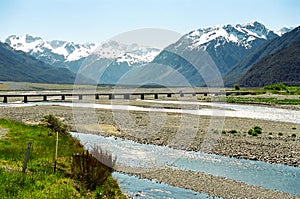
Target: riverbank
x,y
278,143
205,183
40,178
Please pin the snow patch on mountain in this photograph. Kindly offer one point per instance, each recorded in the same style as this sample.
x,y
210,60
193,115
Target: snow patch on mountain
x,y
240,34
132,53
284,30
34,44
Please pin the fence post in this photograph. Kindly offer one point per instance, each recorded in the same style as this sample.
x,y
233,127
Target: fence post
x,y
26,157
56,149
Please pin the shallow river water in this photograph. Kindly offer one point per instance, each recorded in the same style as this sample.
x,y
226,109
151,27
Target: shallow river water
x,y
218,109
271,176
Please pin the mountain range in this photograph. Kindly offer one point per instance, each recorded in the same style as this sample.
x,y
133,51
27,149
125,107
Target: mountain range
x,y
19,66
201,56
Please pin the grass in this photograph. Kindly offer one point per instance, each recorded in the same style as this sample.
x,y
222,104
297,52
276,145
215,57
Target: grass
x,y
40,181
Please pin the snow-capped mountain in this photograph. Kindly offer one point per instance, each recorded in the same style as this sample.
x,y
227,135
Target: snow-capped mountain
x,y
242,35
197,55
70,55
131,54
284,30
52,52
113,60
246,36
213,49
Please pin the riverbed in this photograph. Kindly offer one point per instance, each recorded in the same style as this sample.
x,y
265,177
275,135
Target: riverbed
x,y
244,173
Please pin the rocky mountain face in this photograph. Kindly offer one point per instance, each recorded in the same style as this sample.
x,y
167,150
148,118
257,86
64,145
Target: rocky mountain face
x,y
202,52
281,66
112,60
201,57
57,53
277,44
21,67
114,57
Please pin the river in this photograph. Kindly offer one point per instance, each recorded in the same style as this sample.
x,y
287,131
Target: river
x,y
271,176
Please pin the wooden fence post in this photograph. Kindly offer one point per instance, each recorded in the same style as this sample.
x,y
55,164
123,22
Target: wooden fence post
x,y
56,149
26,157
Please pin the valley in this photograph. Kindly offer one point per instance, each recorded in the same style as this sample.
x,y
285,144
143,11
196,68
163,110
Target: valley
x,y
216,113
161,123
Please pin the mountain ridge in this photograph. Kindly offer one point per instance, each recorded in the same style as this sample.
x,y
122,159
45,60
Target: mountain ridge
x,y
280,43
213,49
21,67
197,54
281,66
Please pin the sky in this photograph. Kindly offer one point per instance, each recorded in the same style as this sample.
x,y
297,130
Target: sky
x,y
83,21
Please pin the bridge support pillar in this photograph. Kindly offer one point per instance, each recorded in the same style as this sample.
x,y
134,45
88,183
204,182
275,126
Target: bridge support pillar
x,y
5,99
111,96
127,96
25,98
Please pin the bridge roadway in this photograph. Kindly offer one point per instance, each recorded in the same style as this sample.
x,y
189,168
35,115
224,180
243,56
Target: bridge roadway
x,y
45,97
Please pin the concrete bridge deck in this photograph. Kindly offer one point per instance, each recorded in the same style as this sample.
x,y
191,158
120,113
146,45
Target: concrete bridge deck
x,y
45,97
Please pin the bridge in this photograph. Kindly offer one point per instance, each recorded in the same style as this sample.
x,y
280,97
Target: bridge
x,y
111,96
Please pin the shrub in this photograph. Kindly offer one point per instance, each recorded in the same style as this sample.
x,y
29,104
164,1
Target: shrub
x,y
93,168
294,135
53,123
280,134
257,129
252,132
236,87
233,131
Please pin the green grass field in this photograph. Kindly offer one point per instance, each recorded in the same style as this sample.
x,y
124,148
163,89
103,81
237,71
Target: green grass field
x,y
40,180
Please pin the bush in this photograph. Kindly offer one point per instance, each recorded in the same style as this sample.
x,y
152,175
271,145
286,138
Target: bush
x,y
93,168
294,135
236,87
252,132
233,131
255,131
280,134
53,123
